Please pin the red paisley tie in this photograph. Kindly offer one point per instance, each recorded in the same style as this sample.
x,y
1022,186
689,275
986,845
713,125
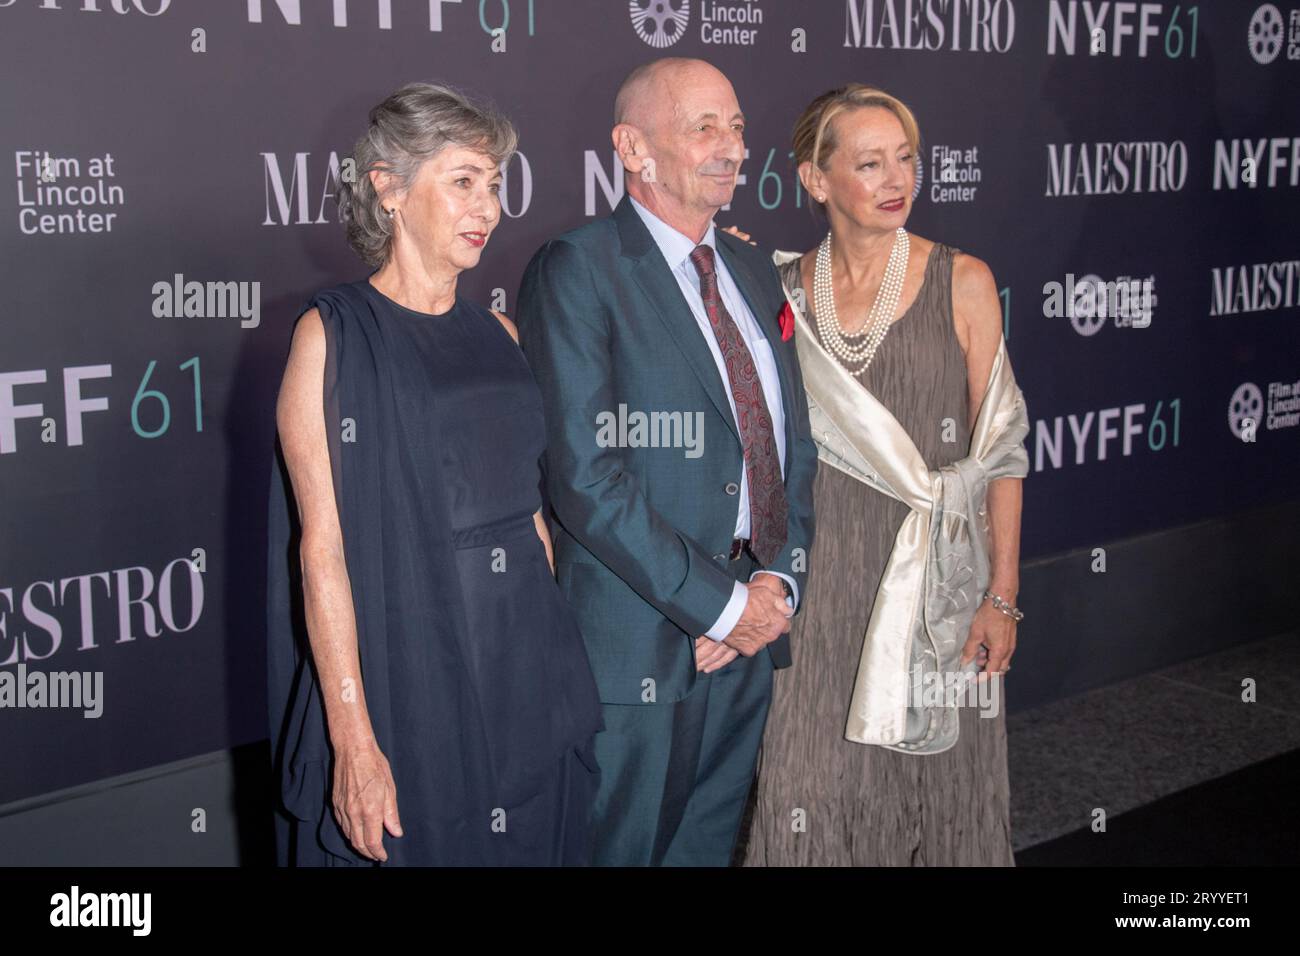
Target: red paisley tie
x,y
767,503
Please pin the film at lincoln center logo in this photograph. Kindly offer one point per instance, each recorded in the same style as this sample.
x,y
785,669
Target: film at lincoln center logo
x,y
1246,408
660,23
1264,34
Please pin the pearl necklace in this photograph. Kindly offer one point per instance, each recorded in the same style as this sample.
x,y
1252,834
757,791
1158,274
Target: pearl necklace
x,y
882,310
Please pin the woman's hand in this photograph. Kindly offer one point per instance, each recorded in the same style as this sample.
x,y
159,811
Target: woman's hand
x,y
543,532
740,235
995,631
365,798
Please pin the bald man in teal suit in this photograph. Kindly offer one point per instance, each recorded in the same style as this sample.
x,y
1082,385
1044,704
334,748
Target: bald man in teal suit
x,y
681,544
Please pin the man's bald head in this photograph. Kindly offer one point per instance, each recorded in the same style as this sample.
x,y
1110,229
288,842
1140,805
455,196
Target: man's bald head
x,y
679,134
648,89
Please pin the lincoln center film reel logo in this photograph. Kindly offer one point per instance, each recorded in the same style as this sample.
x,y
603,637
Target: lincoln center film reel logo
x,y
1264,35
920,175
1247,404
1088,319
660,23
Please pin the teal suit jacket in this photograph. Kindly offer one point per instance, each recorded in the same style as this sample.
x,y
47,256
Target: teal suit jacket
x,y
644,532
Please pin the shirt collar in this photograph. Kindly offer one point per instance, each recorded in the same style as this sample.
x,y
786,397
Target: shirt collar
x,y
675,246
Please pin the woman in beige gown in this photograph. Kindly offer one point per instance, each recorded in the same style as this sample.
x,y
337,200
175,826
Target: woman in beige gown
x,y
823,799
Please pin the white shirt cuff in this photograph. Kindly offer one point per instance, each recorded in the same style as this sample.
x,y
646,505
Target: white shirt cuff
x,y
726,621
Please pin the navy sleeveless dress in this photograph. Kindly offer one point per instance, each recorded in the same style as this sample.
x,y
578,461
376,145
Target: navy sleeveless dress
x,y
465,413
485,440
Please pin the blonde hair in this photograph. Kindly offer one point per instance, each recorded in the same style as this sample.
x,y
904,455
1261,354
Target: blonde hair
x,y
814,138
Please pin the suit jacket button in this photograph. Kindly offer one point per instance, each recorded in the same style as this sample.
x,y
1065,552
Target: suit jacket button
x,y
731,488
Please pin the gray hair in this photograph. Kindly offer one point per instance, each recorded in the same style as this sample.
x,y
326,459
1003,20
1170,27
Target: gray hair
x,y
408,128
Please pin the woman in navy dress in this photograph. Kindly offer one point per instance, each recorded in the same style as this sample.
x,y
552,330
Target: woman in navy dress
x,y
431,701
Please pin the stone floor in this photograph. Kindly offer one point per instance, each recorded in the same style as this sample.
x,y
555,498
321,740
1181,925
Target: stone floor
x,y
1126,745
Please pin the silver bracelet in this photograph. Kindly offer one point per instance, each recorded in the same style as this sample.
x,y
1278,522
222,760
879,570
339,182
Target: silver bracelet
x,y
1004,607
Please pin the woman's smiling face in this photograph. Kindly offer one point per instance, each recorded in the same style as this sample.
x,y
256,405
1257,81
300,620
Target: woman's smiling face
x,y
871,174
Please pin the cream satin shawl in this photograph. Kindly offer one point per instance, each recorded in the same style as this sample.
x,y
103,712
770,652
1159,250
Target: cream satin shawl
x,y
936,575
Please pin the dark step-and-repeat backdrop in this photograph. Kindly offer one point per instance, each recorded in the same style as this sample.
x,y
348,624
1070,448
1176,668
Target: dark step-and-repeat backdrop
x,y
1147,149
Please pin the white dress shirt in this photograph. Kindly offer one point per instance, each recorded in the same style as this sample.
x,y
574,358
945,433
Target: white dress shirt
x,y
676,248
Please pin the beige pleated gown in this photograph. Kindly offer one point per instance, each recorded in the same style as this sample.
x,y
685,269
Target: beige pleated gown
x,y
864,805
